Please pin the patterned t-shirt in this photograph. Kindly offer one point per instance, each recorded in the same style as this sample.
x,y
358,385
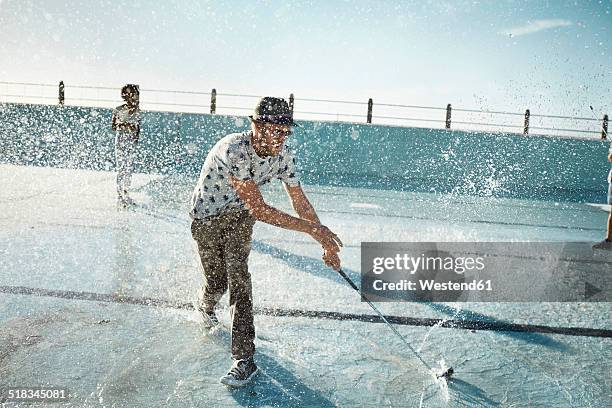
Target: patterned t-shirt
x,y
123,116
234,156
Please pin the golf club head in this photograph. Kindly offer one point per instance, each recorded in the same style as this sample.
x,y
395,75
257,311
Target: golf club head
x,y
446,374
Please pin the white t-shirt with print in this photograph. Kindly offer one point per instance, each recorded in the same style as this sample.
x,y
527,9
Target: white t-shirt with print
x,y
234,156
123,116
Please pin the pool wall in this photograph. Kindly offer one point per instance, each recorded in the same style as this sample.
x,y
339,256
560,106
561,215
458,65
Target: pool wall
x,y
328,153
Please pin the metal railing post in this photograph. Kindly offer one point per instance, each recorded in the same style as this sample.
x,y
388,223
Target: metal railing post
x,y
526,124
604,127
448,116
291,102
213,102
370,105
61,93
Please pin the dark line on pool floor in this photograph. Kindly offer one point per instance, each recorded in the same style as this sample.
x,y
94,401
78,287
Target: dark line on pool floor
x,y
317,314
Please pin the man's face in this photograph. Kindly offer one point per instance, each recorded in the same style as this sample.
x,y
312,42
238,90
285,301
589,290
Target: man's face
x,y
132,98
272,137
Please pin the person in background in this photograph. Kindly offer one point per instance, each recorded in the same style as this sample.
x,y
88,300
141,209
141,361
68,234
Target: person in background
x,y
607,242
126,125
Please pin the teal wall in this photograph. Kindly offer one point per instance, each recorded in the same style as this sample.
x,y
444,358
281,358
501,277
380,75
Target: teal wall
x,y
412,159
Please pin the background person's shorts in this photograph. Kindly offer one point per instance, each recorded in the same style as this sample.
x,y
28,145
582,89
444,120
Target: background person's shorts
x,y
610,193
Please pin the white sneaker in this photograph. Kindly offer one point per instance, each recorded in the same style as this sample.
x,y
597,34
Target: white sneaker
x,y
128,201
209,318
241,373
121,204
605,244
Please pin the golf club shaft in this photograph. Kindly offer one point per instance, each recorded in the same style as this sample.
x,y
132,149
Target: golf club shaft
x,y
384,319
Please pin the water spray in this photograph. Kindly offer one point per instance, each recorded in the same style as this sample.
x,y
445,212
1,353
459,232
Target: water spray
x,y
441,372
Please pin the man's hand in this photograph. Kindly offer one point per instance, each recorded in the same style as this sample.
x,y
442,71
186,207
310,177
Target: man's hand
x,y
331,259
331,245
328,240
610,157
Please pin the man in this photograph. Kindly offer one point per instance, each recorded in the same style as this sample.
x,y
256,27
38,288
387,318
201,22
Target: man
x,y
224,207
607,242
126,123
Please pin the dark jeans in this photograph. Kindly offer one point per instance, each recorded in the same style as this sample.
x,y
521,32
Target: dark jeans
x,y
224,244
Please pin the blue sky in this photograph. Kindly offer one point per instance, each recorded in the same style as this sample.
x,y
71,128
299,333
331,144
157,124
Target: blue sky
x,y
550,56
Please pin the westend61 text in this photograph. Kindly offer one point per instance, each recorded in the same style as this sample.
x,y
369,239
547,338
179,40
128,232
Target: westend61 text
x,y
430,284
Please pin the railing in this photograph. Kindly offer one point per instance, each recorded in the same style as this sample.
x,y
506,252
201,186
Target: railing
x,y
316,109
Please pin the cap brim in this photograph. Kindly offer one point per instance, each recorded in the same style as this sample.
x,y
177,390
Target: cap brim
x,y
292,123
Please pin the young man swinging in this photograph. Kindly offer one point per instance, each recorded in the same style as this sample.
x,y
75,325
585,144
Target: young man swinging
x,y
224,207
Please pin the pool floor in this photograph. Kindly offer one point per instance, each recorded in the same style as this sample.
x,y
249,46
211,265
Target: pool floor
x,y
99,301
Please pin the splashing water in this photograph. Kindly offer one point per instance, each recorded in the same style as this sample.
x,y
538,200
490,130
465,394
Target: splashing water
x,y
441,378
439,324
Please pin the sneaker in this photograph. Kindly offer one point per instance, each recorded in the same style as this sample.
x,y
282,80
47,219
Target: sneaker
x,y
210,318
128,201
241,373
605,244
121,204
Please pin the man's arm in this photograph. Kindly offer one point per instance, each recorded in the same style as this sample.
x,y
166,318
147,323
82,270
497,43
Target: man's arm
x,y
250,194
300,203
136,132
305,210
135,127
114,121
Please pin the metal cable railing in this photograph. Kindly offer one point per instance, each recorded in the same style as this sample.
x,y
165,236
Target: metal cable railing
x,y
411,106
329,114
564,130
27,96
565,117
384,113
490,112
28,84
242,96
333,101
175,92
487,124
109,88
404,118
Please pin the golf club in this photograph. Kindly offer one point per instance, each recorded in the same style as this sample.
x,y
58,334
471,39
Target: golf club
x,y
444,373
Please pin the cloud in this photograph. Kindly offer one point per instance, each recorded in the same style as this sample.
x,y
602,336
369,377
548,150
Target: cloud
x,y
536,26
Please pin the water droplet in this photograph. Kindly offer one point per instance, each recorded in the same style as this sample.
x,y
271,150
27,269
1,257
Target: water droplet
x,y
191,148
